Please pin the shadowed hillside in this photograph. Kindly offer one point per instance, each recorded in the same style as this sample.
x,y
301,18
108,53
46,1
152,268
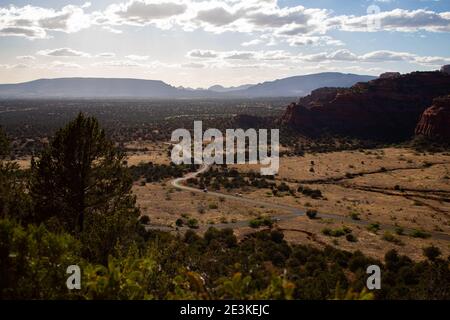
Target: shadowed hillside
x,y
384,109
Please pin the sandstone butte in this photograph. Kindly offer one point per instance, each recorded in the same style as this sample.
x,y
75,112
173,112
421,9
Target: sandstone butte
x,y
435,121
387,108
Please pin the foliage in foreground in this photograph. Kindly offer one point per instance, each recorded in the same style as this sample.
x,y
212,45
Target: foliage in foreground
x,y
215,266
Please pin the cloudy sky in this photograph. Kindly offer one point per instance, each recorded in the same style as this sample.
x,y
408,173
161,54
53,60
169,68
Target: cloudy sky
x,y
199,43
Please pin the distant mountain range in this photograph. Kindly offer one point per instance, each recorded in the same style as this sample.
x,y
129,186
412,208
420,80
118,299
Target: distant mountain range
x,y
153,89
219,88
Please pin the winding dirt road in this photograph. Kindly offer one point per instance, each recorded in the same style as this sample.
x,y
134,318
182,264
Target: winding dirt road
x,y
293,212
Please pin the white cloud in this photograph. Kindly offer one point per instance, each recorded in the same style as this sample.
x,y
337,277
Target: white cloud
x,y
134,64
20,66
63,52
118,64
261,17
235,57
253,42
137,57
106,55
268,22
32,33
254,17
240,55
258,18
27,58
194,65
217,16
15,66
399,20
432,61
141,13
379,56
35,22
296,41
63,65
112,30
202,54
386,55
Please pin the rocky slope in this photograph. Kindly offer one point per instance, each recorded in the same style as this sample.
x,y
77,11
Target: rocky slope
x,y
435,121
387,108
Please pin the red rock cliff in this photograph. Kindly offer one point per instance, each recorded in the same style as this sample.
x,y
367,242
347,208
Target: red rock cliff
x,y
385,108
435,121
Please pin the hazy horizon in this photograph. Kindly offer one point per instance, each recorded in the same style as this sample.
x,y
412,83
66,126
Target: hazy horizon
x,y
196,88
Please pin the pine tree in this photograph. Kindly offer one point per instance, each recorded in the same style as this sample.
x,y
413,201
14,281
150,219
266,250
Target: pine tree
x,y
4,144
14,201
81,175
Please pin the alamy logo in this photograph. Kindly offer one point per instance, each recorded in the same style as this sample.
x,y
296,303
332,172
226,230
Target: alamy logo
x,y
373,18
74,280
235,150
374,280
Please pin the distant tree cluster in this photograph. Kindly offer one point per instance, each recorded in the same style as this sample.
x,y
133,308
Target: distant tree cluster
x,y
324,143
313,193
124,120
231,179
151,172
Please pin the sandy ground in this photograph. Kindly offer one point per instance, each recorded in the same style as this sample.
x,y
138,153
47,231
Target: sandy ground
x,y
164,205
411,192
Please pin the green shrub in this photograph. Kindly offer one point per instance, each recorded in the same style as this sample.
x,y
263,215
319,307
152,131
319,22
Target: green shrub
x,y
193,223
340,232
337,233
355,216
420,234
374,227
34,260
431,253
389,237
313,193
144,220
312,214
213,206
261,222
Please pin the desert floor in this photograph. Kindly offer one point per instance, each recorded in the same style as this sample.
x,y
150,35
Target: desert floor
x,y
393,186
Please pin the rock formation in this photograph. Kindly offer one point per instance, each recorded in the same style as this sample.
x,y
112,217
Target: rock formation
x,y
390,75
446,69
383,109
435,121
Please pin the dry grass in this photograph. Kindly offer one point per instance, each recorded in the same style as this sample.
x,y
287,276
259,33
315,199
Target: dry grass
x,y
412,191
147,152
164,205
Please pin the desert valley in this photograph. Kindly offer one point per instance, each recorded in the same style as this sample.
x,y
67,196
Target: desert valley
x,y
358,169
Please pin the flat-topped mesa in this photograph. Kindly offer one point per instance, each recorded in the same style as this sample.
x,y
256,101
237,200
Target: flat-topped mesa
x,y
435,121
387,108
390,75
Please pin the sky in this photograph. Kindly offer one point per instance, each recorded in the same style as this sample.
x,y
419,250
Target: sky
x,y
200,43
